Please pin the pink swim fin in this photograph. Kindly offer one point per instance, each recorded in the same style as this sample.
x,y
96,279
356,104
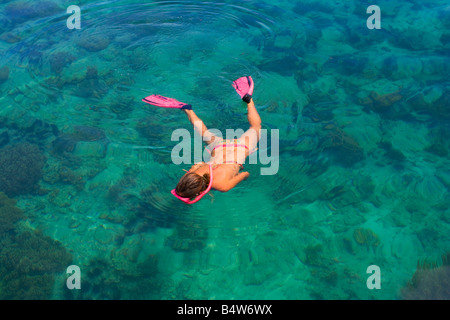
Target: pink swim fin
x,y
244,87
164,102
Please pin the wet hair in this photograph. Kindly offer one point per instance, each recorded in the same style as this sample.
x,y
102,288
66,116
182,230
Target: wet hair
x,y
192,184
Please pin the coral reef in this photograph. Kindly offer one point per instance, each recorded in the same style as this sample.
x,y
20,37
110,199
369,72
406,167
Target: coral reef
x,y
344,147
28,259
431,281
380,102
105,278
366,237
31,130
21,167
9,214
313,255
28,262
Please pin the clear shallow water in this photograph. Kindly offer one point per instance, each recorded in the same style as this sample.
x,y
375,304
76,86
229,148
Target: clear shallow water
x,y
363,120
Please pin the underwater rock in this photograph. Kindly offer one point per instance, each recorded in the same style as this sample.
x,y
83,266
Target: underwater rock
x,y
435,66
433,100
346,64
46,8
91,142
391,152
440,108
106,235
381,102
303,144
19,12
124,134
37,131
284,41
401,68
364,186
302,8
10,37
332,193
325,115
96,149
431,281
4,74
4,138
444,16
286,66
122,106
84,141
93,43
21,167
430,189
187,236
59,60
439,149
425,99
87,133
443,174
64,143
91,88
415,39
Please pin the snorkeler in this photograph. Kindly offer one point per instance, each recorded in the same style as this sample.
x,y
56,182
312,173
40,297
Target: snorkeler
x,y
227,156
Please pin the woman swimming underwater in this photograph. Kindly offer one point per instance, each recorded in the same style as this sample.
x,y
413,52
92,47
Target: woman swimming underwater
x,y
222,171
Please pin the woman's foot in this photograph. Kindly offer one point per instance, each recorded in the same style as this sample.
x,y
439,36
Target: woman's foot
x,y
244,87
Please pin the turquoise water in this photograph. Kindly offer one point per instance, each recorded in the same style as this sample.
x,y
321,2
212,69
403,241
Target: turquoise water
x,y
363,118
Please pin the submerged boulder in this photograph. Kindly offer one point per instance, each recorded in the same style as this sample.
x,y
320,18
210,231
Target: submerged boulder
x,y
93,42
4,74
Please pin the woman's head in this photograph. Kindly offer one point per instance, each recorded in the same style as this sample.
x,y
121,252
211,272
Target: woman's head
x,y
192,184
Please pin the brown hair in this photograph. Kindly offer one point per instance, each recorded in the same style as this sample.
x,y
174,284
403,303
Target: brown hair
x,y
192,184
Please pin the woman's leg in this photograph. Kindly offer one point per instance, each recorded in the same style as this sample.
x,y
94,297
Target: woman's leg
x,y
252,135
200,127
